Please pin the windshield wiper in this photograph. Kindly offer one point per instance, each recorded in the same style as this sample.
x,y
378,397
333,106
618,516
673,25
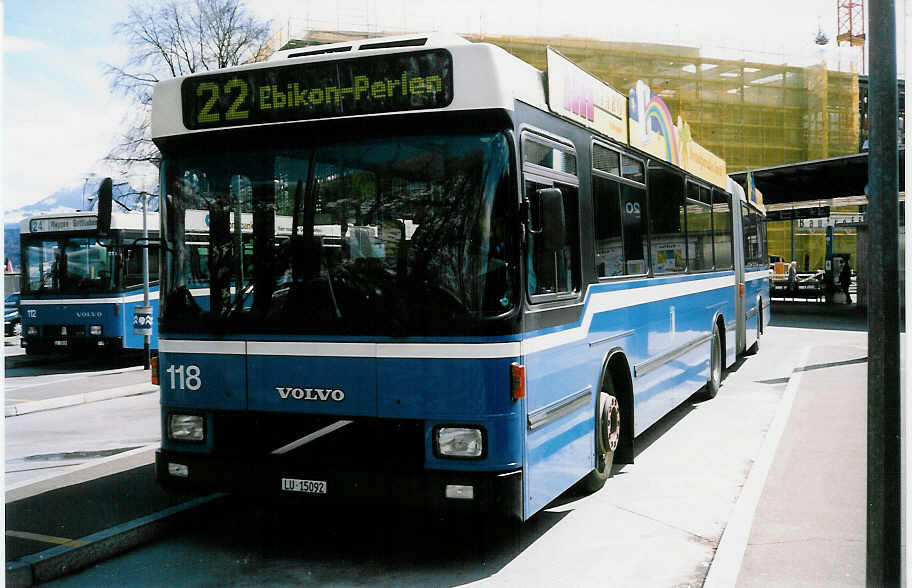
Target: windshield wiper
x,y
332,293
238,303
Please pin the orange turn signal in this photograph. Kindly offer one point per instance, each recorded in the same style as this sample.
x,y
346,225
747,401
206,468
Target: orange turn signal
x,y
517,381
153,365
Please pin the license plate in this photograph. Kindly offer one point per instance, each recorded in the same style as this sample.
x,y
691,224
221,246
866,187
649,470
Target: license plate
x,y
60,343
307,486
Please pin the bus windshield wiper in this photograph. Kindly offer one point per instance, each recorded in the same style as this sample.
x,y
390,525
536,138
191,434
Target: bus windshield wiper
x,y
332,293
239,301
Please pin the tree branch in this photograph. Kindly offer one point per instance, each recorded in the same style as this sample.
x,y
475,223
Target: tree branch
x,y
171,39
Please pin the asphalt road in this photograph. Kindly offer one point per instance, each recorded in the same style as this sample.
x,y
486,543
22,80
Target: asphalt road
x,y
656,523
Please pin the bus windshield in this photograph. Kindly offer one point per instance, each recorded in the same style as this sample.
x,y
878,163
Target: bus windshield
x,y
398,236
67,265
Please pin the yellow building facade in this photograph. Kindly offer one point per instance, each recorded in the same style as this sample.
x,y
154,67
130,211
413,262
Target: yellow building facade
x,y
751,114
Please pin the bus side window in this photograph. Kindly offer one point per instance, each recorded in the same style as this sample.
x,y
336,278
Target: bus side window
x,y
666,219
633,220
551,269
753,237
722,229
554,270
609,250
620,228
699,228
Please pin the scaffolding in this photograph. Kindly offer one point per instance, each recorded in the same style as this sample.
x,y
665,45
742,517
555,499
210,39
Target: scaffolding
x,y
749,113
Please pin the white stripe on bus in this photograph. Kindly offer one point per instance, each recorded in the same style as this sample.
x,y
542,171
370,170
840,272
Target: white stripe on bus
x,y
312,349
756,275
121,300
209,347
334,349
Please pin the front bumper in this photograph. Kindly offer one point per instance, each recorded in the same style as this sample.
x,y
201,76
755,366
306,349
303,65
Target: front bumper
x,y
63,345
499,492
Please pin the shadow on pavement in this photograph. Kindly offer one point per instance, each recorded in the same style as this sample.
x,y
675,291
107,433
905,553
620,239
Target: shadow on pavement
x,y
51,364
814,315
402,546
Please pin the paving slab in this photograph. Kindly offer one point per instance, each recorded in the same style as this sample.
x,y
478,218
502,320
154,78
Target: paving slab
x,y
809,525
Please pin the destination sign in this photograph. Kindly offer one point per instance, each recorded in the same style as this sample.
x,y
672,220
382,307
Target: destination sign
x,y
50,225
367,85
798,213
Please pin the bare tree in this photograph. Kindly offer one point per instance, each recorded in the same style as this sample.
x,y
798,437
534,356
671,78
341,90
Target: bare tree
x,y
176,38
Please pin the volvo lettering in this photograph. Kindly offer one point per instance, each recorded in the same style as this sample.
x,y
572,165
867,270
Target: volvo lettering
x,y
311,394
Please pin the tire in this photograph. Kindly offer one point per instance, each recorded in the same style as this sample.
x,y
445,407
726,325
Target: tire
x,y
607,437
715,366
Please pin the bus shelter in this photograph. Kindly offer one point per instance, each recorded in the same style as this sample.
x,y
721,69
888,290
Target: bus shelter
x,y
816,217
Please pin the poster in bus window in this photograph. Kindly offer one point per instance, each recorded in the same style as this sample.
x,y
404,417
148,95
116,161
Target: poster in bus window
x,y
610,258
669,257
636,267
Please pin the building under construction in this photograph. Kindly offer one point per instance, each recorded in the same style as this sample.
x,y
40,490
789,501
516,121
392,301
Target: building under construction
x,y
751,114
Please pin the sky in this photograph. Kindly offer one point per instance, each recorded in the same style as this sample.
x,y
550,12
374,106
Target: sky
x,y
60,117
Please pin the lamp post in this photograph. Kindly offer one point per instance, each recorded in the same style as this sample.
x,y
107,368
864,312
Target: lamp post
x,y
85,182
142,315
145,250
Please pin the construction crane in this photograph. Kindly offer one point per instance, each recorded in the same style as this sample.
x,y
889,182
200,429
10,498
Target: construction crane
x,y
850,28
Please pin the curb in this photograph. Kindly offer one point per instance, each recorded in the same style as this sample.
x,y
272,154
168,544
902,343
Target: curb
x,y
726,563
59,561
75,399
83,473
24,361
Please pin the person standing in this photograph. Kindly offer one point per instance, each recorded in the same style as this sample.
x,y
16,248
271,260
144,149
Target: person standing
x,y
793,278
845,279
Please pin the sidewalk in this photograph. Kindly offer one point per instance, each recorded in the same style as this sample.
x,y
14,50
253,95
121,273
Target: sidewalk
x,y
808,524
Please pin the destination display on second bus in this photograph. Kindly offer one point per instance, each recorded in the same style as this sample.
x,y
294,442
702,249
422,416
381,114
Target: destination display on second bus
x,y
368,85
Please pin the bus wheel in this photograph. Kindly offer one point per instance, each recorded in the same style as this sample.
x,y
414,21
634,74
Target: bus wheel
x,y
607,436
715,366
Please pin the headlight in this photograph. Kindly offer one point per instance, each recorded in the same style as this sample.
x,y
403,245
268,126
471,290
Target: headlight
x,y
185,427
95,330
460,442
31,330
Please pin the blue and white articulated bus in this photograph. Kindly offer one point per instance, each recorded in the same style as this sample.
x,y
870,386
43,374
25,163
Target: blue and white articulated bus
x,y
485,293
79,290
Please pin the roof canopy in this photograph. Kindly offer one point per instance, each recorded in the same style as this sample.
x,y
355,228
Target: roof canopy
x,y
837,177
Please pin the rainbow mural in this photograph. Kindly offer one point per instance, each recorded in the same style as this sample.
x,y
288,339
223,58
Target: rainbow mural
x,y
658,120
647,123
652,130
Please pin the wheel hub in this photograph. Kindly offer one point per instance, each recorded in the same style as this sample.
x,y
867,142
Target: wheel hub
x,y
614,423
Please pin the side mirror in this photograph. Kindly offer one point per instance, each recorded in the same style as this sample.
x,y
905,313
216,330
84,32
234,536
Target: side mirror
x,y
105,199
548,207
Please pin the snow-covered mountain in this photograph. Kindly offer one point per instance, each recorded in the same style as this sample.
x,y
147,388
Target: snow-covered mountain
x,y
64,200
